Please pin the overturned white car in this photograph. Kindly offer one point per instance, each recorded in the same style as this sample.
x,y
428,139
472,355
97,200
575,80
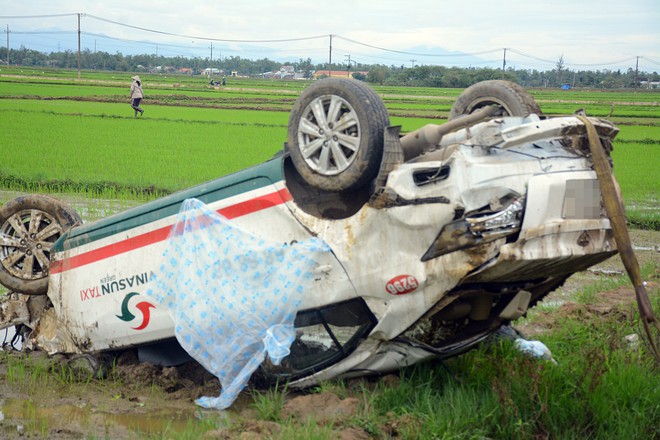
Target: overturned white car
x,y
429,242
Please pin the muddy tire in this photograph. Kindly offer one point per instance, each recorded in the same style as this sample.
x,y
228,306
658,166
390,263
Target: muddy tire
x,y
335,135
29,226
512,99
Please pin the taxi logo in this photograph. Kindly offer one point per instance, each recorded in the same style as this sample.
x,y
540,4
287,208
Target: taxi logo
x,y
144,308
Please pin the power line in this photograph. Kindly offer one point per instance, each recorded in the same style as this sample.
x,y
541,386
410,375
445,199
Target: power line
x,y
531,56
284,40
609,63
42,32
38,16
414,53
650,60
226,40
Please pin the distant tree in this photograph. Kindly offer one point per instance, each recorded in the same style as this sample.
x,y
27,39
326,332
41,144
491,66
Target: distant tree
x,y
377,74
560,69
394,75
305,66
453,79
123,66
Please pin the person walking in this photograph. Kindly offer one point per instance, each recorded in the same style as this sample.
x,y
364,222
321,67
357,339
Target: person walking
x,y
136,95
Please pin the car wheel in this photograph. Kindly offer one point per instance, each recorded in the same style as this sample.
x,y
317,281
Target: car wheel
x,y
29,226
512,99
335,135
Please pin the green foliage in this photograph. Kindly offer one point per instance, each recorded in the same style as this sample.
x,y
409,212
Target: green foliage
x,y
64,135
51,158
602,390
193,429
636,169
269,403
25,372
127,153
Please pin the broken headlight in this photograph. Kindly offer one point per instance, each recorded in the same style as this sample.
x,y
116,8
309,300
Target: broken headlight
x,y
490,223
498,224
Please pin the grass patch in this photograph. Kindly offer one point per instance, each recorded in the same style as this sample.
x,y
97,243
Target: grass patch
x,y
635,167
128,152
164,153
269,404
602,387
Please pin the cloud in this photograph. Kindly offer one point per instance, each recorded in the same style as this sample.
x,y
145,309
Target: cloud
x,y
587,31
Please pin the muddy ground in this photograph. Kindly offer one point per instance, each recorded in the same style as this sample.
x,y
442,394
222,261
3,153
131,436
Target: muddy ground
x,y
150,400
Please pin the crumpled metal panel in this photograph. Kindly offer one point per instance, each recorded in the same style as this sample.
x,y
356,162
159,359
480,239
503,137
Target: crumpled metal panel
x,y
51,336
553,255
14,310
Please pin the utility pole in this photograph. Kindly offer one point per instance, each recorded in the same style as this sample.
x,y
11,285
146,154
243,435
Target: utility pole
x,y
636,69
330,58
79,45
504,61
412,63
349,65
7,45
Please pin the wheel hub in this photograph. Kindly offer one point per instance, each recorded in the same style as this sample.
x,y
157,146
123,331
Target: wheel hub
x,y
330,135
25,242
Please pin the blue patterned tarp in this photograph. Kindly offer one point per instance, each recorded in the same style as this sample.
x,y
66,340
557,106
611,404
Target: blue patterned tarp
x,y
233,296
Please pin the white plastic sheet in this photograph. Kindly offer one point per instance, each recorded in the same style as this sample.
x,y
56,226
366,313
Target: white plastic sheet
x,y
233,296
535,349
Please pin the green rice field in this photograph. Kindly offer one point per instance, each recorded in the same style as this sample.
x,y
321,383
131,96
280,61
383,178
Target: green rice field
x,y
78,139
60,134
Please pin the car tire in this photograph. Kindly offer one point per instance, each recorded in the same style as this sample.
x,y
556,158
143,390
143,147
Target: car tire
x,y
512,99
29,226
335,135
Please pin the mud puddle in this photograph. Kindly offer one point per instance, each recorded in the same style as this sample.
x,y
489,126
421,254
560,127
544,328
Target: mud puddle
x,y
24,417
52,397
142,401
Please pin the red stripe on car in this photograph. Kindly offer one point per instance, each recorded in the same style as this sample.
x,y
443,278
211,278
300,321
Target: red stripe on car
x,y
233,211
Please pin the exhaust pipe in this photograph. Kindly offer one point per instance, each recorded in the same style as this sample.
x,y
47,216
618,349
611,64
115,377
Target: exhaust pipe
x,y
416,142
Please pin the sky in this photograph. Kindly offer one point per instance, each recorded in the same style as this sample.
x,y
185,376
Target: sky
x,y
529,34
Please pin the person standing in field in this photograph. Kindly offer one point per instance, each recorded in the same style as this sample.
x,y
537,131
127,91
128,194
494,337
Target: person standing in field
x,y
136,95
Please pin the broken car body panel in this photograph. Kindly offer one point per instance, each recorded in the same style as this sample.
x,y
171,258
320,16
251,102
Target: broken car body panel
x,y
456,242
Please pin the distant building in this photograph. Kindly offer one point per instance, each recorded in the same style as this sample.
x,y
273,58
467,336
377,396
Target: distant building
x,y
337,73
284,72
211,71
650,84
163,69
